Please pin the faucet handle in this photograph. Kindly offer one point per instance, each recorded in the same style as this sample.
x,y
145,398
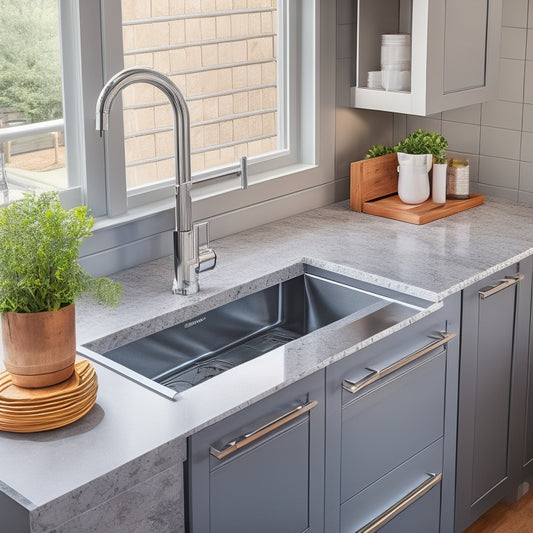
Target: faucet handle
x,y
244,172
205,255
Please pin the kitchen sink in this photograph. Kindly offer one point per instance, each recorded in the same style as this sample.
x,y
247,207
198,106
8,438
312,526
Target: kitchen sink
x,y
188,353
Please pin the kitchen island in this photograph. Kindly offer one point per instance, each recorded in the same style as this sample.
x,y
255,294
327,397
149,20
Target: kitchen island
x,y
120,467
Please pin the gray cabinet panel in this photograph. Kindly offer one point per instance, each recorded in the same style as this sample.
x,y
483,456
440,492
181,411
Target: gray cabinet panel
x,y
385,440
272,484
387,492
466,29
271,478
389,424
14,518
491,415
493,392
528,445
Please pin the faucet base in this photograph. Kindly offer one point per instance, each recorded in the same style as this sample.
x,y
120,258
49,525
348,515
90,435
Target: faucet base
x,y
184,291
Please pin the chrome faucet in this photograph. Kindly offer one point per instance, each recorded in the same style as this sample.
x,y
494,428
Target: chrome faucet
x,y
189,258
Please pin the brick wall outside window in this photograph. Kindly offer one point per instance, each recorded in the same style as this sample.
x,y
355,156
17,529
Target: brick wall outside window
x,y
222,56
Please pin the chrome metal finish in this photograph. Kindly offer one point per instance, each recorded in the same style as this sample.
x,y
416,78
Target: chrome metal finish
x,y
189,259
501,284
127,372
405,502
249,438
256,324
375,375
240,170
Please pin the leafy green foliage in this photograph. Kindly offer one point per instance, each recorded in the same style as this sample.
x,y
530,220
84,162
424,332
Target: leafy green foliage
x,y
30,71
39,250
379,150
424,142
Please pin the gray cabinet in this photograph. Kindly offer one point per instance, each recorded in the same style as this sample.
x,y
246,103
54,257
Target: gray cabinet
x,y
262,469
523,450
442,75
490,422
389,464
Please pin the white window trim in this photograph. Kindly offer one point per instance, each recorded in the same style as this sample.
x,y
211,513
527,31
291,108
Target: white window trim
x,y
310,175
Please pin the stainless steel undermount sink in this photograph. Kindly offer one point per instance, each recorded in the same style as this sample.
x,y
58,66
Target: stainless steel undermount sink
x,y
188,353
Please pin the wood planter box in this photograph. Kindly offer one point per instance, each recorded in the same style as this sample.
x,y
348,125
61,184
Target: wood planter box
x,y
374,190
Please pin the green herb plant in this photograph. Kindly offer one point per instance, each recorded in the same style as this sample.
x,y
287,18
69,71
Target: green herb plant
x,y
379,150
424,142
39,250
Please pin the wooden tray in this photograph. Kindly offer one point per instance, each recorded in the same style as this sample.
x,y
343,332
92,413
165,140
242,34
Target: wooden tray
x,y
374,187
27,410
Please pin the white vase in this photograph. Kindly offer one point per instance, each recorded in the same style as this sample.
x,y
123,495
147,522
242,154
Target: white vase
x,y
438,192
413,181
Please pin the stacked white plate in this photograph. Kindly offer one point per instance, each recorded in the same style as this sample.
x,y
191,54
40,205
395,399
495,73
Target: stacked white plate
x,y
396,62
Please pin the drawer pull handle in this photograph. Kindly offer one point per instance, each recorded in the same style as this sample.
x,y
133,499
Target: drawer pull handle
x,y
501,284
355,386
405,502
244,440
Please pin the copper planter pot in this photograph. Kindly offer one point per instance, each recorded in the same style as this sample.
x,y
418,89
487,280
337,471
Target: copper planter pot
x,y
39,348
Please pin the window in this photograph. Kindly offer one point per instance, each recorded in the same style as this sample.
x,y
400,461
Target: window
x,y
126,178
223,57
32,148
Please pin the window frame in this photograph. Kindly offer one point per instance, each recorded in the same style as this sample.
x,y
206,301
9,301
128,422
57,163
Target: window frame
x,y
93,53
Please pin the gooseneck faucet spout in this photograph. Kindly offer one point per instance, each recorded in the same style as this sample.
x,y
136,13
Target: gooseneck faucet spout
x,y
188,259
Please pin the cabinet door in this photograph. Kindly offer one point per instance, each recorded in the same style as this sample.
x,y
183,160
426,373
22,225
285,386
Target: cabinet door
x,y
262,469
486,409
394,413
442,75
524,447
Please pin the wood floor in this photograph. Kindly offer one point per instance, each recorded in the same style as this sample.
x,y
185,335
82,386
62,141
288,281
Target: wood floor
x,y
507,518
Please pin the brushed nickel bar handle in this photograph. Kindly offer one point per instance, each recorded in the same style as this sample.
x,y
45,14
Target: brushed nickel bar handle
x,y
501,284
247,439
405,502
375,375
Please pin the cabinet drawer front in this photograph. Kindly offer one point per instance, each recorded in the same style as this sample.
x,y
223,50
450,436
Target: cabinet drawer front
x,y
386,494
262,468
277,472
391,422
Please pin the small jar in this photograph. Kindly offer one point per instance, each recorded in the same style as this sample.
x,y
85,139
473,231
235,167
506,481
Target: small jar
x,y
458,180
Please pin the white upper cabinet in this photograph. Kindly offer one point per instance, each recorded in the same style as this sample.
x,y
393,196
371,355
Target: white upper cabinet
x,y
455,51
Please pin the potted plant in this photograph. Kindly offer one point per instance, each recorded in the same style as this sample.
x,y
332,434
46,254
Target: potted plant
x,y
415,158
40,278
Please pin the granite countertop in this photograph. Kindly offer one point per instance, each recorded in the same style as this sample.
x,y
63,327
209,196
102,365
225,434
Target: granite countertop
x,y
131,425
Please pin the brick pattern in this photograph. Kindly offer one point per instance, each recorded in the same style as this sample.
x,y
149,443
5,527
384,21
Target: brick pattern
x,y
224,62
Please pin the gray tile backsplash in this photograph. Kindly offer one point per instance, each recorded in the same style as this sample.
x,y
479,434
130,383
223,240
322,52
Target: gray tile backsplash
x,y
527,118
526,176
499,142
514,13
500,192
467,115
526,153
513,43
425,123
528,83
499,172
502,114
461,137
511,80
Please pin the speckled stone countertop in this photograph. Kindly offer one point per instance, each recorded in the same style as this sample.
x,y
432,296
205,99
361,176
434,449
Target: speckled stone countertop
x,y
134,428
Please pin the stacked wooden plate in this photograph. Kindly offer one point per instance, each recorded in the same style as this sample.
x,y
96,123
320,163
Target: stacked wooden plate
x,y
26,410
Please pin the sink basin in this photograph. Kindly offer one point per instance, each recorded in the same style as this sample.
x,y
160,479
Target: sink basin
x,y
188,353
